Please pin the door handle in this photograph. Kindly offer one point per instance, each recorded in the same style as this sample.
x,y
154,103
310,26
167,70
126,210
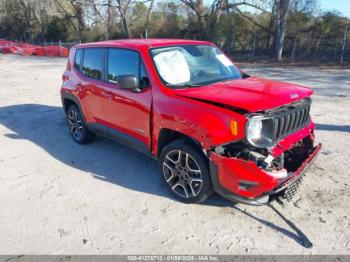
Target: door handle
x,y
78,85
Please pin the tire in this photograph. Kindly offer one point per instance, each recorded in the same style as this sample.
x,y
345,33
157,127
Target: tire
x,y
77,127
185,171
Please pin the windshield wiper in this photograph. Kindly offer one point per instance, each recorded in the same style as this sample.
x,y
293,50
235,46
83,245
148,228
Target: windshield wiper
x,y
186,84
217,80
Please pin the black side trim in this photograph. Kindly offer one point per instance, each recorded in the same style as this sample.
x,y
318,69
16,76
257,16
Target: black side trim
x,y
98,128
72,98
231,196
121,138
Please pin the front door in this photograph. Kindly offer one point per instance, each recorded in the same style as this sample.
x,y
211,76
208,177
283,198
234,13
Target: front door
x,y
127,112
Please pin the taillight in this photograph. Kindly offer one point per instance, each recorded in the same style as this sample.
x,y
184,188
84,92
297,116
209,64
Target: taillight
x,y
65,78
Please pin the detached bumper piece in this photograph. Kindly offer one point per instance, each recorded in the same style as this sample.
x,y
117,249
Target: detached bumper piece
x,y
229,174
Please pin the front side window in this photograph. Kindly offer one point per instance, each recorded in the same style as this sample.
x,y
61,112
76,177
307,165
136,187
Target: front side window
x,y
193,65
122,62
93,62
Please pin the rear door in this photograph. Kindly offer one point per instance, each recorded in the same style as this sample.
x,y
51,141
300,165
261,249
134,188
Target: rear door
x,y
90,85
127,112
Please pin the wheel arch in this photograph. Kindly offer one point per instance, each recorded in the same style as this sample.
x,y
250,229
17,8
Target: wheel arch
x,y
166,136
68,100
67,103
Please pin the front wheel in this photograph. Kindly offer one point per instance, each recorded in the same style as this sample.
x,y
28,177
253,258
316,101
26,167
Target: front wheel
x,y
185,172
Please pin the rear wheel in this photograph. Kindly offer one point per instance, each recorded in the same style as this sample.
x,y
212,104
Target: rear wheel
x,y
185,171
77,126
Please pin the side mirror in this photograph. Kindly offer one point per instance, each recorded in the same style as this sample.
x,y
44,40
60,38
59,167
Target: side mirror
x,y
129,82
244,75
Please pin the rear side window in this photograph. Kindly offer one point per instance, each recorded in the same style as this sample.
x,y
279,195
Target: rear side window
x,y
77,61
122,62
93,62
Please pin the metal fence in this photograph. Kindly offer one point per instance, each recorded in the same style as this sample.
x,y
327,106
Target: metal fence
x,y
336,51
59,43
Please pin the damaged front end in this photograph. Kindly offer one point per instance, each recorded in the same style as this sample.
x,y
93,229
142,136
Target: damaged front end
x,y
249,174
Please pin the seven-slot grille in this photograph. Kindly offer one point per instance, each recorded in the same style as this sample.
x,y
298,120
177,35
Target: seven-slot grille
x,y
292,120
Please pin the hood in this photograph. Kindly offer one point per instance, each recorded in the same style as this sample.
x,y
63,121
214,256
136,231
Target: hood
x,y
250,94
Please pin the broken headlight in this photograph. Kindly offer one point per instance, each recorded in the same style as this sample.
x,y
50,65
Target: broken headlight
x,y
259,132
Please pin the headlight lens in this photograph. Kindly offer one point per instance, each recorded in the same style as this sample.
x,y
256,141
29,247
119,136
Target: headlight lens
x,y
254,129
259,132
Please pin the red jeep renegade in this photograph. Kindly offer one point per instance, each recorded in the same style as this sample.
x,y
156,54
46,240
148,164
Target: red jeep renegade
x,y
212,127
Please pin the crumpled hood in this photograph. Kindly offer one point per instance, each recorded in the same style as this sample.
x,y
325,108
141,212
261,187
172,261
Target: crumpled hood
x,y
250,94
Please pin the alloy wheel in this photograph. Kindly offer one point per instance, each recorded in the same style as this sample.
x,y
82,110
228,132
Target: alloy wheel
x,y
182,173
75,124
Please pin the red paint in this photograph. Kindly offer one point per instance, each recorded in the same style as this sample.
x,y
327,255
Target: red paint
x,y
252,94
185,110
231,170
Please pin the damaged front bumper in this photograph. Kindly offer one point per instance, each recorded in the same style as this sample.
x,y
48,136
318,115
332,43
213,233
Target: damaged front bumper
x,y
243,181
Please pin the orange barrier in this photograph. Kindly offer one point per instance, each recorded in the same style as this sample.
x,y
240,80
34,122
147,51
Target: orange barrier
x,y
56,51
9,47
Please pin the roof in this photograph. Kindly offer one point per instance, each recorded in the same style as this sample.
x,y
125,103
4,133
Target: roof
x,y
143,42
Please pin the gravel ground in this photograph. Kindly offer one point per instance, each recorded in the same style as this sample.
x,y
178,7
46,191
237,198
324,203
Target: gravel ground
x,y
57,197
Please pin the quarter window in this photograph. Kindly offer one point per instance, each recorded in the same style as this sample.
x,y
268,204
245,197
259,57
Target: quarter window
x,y
93,62
77,61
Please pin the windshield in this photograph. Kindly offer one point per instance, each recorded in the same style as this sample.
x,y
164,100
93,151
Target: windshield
x,y
193,65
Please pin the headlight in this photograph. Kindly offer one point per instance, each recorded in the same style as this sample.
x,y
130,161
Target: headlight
x,y
259,132
254,129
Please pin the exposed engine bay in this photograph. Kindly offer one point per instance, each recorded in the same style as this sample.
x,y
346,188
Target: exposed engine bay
x,y
289,160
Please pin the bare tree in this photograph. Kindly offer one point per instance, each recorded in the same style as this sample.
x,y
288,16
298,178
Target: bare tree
x,y
230,29
148,18
299,10
79,15
109,19
216,9
122,6
271,26
69,17
198,8
258,5
282,8
25,8
344,43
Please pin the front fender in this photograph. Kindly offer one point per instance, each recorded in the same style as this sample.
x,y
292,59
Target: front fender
x,y
207,124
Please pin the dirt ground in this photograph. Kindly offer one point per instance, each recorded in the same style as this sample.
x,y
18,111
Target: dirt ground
x,y
57,197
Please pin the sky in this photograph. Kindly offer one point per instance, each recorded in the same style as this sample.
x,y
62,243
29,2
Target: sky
x,y
343,6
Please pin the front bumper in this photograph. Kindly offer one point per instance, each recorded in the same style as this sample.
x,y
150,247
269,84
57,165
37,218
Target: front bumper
x,y
227,174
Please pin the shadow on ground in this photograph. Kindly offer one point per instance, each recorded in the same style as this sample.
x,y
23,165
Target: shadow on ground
x,y
105,160
339,128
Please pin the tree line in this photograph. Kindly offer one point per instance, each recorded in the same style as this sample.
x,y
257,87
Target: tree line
x,y
250,29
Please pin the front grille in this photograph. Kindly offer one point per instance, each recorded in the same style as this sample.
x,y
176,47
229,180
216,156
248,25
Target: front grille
x,y
291,119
